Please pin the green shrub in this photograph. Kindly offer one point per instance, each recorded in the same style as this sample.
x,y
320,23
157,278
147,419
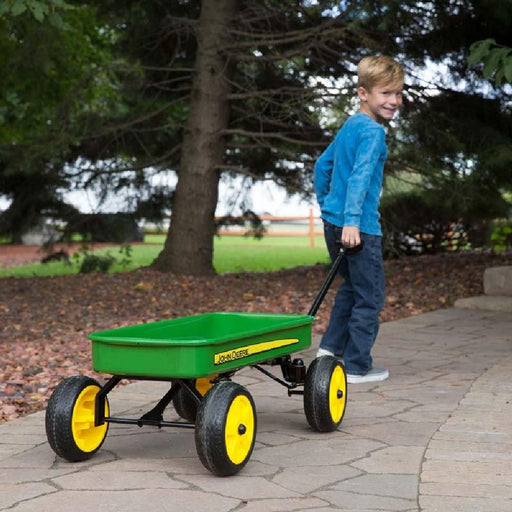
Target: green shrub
x,y
431,221
500,238
416,223
93,262
96,263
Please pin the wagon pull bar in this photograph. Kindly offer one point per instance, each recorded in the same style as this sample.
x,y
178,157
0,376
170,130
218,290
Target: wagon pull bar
x,y
331,275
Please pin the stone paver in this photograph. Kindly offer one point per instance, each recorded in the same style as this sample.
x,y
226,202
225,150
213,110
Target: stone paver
x,y
436,436
498,281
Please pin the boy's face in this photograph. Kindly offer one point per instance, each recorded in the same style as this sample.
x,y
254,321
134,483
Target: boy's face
x,y
381,102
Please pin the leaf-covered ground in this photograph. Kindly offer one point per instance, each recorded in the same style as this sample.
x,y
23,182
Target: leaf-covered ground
x,y
44,322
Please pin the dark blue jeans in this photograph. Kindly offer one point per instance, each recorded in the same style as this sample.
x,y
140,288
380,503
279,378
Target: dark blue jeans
x,y
354,321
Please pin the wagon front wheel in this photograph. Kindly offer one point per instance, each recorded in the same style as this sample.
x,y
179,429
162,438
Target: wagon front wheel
x,y
70,415
225,428
325,393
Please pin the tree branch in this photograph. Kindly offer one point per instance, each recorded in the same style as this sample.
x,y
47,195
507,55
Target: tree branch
x,y
271,135
113,169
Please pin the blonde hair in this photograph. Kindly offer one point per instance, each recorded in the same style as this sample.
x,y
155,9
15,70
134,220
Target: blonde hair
x,y
378,70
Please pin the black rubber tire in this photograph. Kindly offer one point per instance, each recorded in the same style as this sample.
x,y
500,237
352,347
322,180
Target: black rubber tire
x,y
226,412
61,416
186,406
325,393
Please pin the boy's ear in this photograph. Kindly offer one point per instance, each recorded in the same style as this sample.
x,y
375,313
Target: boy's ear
x,y
362,93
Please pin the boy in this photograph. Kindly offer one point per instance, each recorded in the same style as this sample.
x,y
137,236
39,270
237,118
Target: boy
x,y
348,181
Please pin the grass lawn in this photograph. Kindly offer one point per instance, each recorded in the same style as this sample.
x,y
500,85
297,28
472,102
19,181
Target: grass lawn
x,y
232,254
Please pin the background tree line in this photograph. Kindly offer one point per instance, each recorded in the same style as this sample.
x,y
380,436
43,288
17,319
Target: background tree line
x,y
107,95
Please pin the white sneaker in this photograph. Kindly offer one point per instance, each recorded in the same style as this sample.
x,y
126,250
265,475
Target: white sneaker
x,y
376,374
324,352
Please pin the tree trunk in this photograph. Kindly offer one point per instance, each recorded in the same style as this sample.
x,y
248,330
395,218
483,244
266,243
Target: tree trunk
x,y
188,247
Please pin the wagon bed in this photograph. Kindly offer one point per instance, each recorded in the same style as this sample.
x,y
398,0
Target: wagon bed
x,y
199,345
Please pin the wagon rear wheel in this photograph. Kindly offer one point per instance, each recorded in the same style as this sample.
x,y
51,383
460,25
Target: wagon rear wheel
x,y
70,428
325,393
185,404
225,428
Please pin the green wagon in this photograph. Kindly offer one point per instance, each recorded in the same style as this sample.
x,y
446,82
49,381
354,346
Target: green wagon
x,y
199,355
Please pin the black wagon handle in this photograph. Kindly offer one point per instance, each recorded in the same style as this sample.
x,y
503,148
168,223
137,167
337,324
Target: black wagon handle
x,y
344,251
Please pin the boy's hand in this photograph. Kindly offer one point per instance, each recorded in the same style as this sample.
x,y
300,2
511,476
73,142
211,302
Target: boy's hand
x,y
350,236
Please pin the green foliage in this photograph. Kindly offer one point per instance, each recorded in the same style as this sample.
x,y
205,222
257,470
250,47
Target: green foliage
x,y
88,261
95,263
459,142
125,252
501,235
41,126
437,220
496,59
40,9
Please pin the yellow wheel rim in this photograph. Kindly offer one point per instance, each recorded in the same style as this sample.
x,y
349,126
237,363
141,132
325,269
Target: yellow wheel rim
x,y
239,433
337,394
87,437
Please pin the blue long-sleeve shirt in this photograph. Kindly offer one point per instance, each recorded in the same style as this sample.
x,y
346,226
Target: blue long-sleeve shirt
x,y
348,175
